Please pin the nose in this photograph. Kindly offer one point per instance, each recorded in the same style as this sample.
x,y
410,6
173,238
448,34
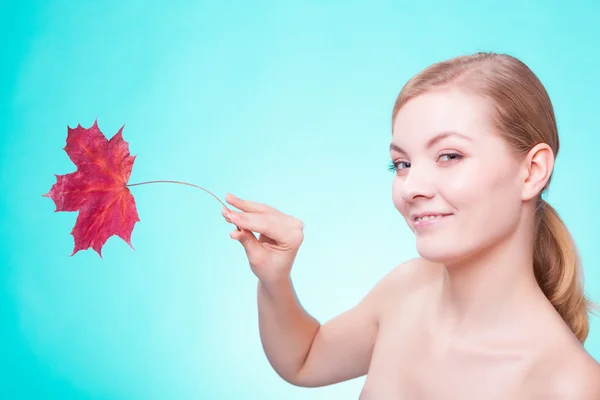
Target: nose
x,y
416,184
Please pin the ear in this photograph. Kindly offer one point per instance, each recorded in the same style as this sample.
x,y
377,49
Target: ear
x,y
537,168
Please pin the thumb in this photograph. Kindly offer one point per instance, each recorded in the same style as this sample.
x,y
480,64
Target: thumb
x,y
248,240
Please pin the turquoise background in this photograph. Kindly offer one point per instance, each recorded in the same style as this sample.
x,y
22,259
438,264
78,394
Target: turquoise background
x,y
286,103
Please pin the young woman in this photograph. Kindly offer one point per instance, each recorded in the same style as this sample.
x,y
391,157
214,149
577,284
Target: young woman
x,y
494,307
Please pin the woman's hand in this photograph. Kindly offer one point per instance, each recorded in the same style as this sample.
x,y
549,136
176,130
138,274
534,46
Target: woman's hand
x,y
272,254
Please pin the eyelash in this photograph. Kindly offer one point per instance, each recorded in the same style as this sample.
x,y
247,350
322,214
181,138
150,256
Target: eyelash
x,y
393,166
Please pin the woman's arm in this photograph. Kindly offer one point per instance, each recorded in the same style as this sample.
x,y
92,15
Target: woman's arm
x,y
304,352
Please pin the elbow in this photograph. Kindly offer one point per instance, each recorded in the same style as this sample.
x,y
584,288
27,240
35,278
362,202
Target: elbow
x,y
301,379
294,378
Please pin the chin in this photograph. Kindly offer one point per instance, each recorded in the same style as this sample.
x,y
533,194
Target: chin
x,y
453,252
436,252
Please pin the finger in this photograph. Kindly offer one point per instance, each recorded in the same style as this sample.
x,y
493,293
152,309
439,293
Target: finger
x,y
276,227
251,206
242,235
250,243
226,212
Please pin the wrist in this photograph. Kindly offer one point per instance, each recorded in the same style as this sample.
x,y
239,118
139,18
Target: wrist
x,y
276,285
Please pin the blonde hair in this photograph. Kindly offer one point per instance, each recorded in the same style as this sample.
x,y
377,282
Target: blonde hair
x,y
524,115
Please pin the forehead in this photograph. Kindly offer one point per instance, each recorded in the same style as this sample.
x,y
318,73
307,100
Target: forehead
x,y
443,110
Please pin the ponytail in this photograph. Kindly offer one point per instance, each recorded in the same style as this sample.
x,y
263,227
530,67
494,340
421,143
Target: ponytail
x,y
557,268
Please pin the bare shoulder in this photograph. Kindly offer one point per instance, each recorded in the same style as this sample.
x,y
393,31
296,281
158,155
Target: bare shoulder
x,y
578,377
411,274
406,279
569,371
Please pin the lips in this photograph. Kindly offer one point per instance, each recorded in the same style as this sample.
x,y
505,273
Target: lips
x,y
427,219
428,214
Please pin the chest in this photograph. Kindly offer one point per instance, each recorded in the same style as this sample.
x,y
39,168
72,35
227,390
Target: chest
x,y
410,362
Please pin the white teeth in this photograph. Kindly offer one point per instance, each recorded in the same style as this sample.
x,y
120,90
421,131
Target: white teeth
x,y
428,217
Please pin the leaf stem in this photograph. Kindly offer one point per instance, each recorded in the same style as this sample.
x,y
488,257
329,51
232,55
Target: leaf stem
x,y
183,183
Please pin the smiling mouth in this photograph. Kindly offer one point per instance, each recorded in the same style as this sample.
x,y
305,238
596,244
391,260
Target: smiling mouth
x,y
429,219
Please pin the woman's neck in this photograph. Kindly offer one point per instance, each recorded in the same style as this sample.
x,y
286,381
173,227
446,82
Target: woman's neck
x,y
492,290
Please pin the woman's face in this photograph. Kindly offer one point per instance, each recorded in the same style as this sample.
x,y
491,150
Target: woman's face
x,y
455,172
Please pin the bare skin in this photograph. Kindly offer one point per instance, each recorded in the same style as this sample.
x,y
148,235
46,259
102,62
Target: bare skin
x,y
467,319
418,355
396,337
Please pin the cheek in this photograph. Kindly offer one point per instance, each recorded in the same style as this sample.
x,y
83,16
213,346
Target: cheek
x,y
478,183
399,202
484,196
462,190
397,199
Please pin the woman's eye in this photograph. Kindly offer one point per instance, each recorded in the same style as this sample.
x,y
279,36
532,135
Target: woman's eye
x,y
450,156
394,166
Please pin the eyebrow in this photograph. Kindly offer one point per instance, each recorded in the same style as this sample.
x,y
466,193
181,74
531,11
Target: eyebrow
x,y
431,142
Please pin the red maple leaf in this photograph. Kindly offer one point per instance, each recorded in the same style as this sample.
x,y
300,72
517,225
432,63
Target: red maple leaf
x,y
97,189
